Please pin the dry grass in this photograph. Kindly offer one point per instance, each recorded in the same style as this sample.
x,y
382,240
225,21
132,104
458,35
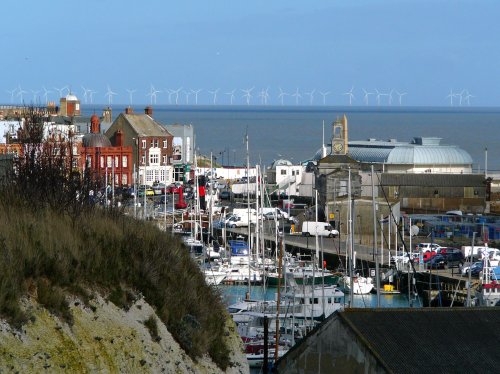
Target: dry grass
x,y
108,252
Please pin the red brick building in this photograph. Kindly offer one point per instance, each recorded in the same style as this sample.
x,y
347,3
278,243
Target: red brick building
x,y
104,157
151,142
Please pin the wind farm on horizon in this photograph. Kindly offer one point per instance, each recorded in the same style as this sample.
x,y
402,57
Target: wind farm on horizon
x,y
234,96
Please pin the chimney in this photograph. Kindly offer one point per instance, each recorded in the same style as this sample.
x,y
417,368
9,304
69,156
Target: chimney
x,y
129,110
119,138
149,111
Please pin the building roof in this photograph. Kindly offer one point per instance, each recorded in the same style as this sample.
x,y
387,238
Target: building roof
x,y
144,125
280,162
95,140
419,151
338,159
430,340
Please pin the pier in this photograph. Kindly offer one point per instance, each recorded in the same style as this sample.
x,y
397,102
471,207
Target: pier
x,y
436,287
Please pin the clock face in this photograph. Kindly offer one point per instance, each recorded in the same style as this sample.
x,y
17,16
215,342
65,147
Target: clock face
x,y
338,147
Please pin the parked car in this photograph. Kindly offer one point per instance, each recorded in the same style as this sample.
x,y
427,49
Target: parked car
x,y
427,247
225,195
145,189
436,262
454,259
474,269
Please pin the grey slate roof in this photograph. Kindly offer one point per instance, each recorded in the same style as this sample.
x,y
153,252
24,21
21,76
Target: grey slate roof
x,y
144,125
437,180
430,340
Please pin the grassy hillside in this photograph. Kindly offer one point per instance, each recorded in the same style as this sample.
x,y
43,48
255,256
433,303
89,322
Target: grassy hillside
x,y
49,253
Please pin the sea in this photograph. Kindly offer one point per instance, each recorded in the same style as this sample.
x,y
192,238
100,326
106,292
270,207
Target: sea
x,y
296,133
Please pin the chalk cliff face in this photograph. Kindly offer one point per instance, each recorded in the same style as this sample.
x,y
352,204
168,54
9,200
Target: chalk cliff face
x,y
103,339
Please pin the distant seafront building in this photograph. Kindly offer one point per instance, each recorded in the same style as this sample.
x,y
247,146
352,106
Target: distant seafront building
x,y
420,155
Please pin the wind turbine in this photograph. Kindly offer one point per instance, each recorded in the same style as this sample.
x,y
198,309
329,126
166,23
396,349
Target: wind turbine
x,y
91,93
20,93
311,95
400,94
231,95
297,95
196,92
467,97
264,96
324,94
366,98
34,95
187,93
282,95
109,93
350,94
247,94
60,90
46,94
130,95
214,93
451,95
378,96
12,92
176,92
170,92
152,94
390,96
85,94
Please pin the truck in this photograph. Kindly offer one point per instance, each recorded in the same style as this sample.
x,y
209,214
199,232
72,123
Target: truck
x,y
236,220
476,251
318,228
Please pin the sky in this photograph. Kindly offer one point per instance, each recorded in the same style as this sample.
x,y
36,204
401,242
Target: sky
x,y
425,49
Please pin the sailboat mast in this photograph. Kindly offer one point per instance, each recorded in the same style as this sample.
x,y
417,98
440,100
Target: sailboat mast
x,y
280,259
248,212
375,247
349,236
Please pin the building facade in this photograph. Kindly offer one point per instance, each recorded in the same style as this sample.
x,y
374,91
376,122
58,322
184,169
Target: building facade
x,y
151,142
111,163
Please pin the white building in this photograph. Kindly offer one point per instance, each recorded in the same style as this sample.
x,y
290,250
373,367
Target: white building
x,y
286,176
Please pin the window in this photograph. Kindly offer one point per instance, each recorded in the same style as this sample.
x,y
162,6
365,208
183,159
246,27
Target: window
x,y
109,161
283,172
153,159
143,159
149,175
144,144
102,162
117,179
124,161
155,143
293,172
165,160
165,143
117,161
124,180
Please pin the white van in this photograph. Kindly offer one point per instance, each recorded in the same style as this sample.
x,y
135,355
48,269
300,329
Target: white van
x,y
311,228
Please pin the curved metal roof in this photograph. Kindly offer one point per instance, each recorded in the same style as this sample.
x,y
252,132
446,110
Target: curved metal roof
x,y
429,155
280,162
415,153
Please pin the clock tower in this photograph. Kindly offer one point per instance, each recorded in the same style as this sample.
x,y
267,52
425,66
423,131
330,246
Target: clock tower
x,y
339,137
